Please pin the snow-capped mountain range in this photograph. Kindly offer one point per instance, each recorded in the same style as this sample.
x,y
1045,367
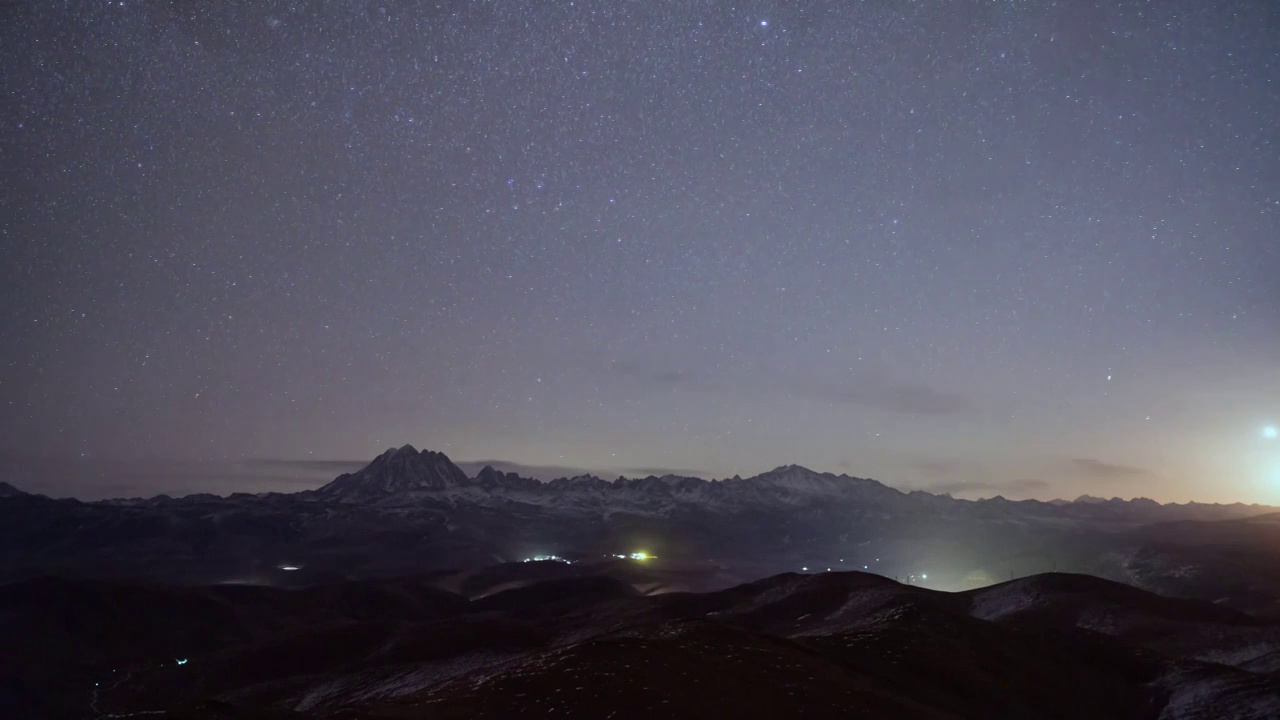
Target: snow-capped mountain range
x,y
406,476
410,510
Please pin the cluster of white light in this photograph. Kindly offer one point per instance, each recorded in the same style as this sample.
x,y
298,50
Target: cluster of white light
x,y
289,568
544,558
634,556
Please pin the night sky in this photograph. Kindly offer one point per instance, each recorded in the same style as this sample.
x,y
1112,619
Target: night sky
x,y
1017,248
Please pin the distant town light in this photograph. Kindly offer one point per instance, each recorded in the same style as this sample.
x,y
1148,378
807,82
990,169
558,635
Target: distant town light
x,y
289,568
924,576
642,556
547,558
804,569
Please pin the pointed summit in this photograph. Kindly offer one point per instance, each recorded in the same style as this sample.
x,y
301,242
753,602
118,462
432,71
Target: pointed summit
x,y
402,451
1089,500
398,470
800,479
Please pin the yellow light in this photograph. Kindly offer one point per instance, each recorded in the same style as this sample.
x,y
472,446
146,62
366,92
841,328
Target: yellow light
x,y
640,556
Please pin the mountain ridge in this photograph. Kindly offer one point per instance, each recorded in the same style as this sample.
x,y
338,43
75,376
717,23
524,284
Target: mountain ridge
x,y
7,490
397,470
410,510
407,471
433,471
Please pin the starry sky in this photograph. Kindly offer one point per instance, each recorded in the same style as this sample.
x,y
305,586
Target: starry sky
x,y
1018,248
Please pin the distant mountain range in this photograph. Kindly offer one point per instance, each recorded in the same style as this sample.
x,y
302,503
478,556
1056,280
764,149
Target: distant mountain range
x,y
411,511
405,475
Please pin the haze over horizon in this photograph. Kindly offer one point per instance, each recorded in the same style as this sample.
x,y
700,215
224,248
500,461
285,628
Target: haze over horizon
x,y
113,479
975,248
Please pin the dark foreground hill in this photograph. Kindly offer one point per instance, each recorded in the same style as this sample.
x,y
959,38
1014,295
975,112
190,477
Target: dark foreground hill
x,y
824,645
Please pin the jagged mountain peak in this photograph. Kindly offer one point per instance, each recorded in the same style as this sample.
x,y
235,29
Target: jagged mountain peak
x,y
673,480
491,478
801,479
489,472
398,470
792,468
579,482
408,451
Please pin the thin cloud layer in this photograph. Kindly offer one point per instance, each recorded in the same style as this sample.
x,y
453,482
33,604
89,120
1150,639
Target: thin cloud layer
x,y
1018,487
1101,470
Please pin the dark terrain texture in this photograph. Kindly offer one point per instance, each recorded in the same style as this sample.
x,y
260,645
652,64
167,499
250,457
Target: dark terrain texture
x,y
793,645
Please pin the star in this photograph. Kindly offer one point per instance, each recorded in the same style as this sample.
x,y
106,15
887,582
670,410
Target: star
x,y
354,243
